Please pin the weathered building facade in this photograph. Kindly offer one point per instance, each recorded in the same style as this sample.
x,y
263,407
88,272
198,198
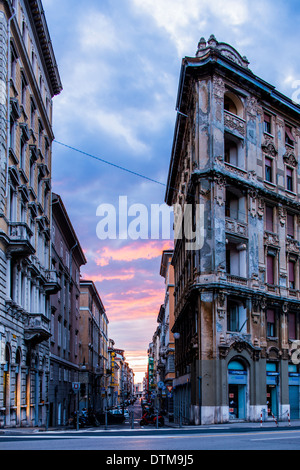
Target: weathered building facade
x,y
235,162
67,257
29,79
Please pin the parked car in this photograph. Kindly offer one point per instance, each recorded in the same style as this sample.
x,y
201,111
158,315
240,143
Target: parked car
x,y
112,418
118,411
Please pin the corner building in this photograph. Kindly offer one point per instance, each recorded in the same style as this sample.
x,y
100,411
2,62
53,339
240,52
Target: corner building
x,y
235,156
29,79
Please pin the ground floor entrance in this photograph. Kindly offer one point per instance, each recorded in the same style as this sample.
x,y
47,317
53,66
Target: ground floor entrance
x,y
237,390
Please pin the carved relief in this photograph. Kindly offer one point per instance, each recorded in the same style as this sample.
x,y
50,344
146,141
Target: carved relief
x,y
234,123
271,239
281,215
269,147
290,159
219,88
219,184
252,196
292,245
253,107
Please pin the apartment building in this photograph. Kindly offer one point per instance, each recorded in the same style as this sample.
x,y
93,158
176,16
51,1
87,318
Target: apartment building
x,y
166,364
29,79
67,257
93,346
234,162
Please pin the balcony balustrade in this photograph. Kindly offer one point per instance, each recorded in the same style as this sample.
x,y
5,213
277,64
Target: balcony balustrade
x,y
37,328
20,239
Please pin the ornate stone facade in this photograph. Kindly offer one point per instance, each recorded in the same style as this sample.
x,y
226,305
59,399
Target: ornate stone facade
x,y
237,298
28,81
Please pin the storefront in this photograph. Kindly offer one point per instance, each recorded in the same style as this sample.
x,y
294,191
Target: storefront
x,y
272,388
294,389
237,390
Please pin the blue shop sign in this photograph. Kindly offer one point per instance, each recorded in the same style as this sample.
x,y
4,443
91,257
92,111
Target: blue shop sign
x,y
237,377
294,378
272,378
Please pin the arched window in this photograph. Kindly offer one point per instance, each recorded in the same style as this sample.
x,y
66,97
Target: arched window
x,y
236,365
6,377
233,104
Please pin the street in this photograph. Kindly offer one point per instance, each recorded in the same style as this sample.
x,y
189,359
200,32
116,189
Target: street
x,y
168,440
244,436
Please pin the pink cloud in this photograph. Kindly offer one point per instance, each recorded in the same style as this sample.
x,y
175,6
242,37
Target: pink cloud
x,y
132,252
118,276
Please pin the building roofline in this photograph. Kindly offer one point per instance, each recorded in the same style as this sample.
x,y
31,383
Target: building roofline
x,y
90,283
56,199
38,19
212,61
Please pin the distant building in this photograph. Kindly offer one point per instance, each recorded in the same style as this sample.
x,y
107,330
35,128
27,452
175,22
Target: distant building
x,y
67,258
166,363
93,346
29,79
235,162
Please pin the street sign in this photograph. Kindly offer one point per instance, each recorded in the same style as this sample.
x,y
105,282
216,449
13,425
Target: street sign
x,y
170,388
76,386
160,384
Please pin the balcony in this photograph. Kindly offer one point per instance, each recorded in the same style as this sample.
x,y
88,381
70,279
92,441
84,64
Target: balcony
x,y
236,227
241,281
36,328
20,239
52,285
234,123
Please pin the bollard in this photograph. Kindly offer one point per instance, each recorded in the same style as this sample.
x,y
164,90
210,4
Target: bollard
x,y
276,422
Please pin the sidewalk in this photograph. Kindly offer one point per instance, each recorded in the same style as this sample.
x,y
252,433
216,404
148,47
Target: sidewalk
x,y
266,425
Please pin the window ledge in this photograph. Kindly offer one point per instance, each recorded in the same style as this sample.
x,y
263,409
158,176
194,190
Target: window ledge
x,y
290,193
269,183
269,135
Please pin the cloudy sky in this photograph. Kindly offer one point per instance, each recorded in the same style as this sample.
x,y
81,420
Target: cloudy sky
x,y
119,62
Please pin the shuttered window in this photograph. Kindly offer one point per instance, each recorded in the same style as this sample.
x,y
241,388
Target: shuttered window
x,y
270,269
290,225
292,326
269,218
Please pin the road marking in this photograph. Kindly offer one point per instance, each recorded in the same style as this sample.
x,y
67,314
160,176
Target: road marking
x,y
179,436
276,438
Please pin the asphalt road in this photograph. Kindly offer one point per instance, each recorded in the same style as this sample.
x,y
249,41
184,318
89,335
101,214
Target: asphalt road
x,y
148,438
155,440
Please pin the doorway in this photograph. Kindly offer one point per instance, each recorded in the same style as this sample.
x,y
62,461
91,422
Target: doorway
x,y
237,390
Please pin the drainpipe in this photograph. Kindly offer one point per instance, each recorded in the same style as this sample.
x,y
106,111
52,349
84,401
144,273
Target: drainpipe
x,y
8,97
200,399
71,259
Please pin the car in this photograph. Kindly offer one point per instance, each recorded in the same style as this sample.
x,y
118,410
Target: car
x,y
118,411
